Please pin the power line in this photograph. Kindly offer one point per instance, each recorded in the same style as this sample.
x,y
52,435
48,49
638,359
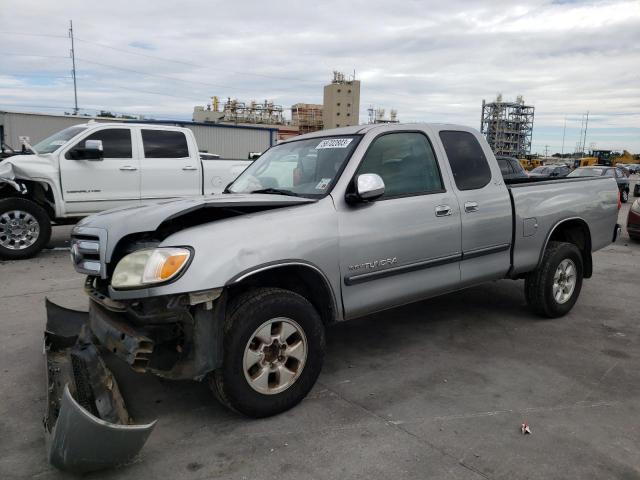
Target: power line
x,y
23,74
152,93
182,62
136,53
33,34
154,74
30,55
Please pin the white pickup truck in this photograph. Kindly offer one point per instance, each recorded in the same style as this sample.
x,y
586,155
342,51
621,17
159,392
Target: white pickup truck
x,y
87,168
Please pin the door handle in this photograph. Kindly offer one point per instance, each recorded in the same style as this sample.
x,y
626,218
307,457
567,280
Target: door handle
x,y
470,207
128,168
189,167
443,211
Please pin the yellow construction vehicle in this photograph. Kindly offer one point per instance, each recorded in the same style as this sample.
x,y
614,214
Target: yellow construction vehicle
x,y
626,157
529,163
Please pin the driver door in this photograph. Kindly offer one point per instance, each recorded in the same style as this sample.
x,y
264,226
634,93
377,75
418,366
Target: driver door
x,y
404,246
90,186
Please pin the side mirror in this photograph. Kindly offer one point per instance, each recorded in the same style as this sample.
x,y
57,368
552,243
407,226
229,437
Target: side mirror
x,y
92,150
369,186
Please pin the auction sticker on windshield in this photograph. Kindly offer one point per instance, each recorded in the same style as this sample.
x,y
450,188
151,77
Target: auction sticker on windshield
x,y
334,143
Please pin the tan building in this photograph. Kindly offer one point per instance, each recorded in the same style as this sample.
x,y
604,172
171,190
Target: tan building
x,y
341,102
307,117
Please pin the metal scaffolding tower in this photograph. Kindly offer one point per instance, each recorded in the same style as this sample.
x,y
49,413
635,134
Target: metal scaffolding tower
x,y
508,126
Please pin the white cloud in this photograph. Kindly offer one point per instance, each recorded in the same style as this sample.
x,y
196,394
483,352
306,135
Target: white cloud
x,y
432,61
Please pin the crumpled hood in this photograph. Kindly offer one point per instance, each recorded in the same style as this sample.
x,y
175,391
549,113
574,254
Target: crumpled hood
x,y
27,167
120,222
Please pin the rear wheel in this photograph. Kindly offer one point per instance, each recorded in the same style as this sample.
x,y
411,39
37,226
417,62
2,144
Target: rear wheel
x,y
553,289
25,228
273,352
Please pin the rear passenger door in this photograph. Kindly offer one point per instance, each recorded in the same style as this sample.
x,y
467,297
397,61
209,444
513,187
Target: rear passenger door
x,y
485,207
169,169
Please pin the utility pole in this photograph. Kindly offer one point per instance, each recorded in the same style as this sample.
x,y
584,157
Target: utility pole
x,y
564,131
73,70
546,150
586,124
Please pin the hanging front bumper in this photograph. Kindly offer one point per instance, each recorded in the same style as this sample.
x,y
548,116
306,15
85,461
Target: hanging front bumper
x,y
87,424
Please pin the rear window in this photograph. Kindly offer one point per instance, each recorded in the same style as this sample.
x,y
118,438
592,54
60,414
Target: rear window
x,y
164,144
586,172
468,162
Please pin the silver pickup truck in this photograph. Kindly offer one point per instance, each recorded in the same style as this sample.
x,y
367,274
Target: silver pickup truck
x,y
237,289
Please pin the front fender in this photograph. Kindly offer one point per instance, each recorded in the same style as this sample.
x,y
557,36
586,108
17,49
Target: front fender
x,y
225,249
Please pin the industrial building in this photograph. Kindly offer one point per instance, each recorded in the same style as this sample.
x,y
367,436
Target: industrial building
x,y
508,126
341,106
307,117
228,141
377,115
248,114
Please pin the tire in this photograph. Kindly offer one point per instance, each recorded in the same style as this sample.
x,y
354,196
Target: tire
x,y
624,196
539,284
236,386
34,231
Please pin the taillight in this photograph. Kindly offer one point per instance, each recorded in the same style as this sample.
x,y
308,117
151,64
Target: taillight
x,y
619,201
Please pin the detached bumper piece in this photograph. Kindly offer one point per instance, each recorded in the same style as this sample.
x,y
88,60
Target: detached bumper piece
x,y
87,424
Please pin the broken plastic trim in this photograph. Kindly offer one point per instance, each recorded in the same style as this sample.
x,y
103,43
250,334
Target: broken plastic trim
x,y
87,424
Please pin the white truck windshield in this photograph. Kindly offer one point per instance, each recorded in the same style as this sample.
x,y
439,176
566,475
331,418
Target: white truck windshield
x,y
55,141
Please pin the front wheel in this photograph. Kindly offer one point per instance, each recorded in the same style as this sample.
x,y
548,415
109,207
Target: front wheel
x,y
273,352
25,228
553,288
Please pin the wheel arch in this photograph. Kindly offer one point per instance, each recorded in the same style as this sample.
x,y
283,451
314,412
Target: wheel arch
x,y
40,193
576,231
298,276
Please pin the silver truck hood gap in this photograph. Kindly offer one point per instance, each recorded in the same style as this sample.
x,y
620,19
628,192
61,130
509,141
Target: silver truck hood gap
x,y
164,217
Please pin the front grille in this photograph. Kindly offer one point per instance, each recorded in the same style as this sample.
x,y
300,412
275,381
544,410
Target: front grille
x,y
85,254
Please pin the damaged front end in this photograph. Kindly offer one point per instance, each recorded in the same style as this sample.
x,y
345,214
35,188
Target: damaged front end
x,y
175,336
87,423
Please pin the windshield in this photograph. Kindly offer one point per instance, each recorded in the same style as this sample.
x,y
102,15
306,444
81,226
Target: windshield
x,y
586,172
55,141
306,168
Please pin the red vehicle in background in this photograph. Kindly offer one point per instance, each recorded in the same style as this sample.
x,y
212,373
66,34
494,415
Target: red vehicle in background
x,y
633,221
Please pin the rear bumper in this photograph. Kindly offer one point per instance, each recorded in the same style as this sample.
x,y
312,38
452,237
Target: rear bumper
x,y
633,229
87,423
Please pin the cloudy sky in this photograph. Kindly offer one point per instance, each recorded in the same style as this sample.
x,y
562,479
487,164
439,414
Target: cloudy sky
x,y
430,60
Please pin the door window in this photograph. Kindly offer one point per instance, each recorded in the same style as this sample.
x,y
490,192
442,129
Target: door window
x,y
164,144
116,142
468,162
406,162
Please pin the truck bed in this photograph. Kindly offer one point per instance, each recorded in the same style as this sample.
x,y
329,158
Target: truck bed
x,y
540,205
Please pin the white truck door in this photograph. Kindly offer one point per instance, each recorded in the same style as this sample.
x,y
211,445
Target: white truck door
x,y
218,173
169,169
90,186
485,207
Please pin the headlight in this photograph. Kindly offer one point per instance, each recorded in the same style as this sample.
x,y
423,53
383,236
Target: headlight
x,y
149,266
636,206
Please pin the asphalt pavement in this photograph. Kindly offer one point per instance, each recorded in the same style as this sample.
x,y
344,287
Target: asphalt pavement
x,y
437,389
